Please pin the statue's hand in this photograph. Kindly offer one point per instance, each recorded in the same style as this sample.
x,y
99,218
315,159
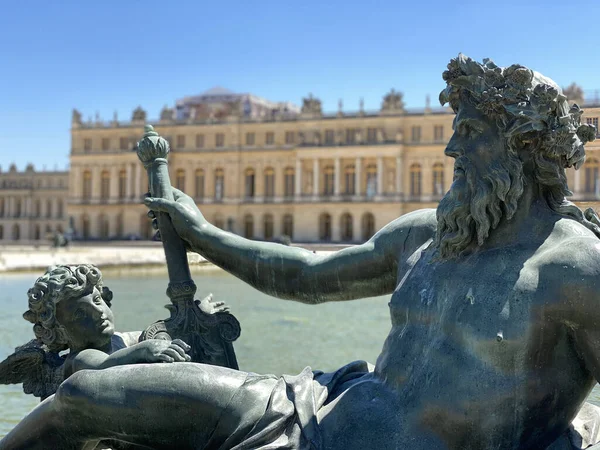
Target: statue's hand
x,y
158,350
183,211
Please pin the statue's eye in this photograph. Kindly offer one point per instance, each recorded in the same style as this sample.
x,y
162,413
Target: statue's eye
x,y
97,300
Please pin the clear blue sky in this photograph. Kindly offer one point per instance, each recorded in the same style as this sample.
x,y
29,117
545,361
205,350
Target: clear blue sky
x,y
112,55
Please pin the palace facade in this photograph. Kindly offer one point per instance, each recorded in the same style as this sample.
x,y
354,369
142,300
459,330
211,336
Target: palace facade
x,y
265,170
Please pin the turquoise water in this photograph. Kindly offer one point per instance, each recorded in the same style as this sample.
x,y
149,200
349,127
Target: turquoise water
x,y
277,337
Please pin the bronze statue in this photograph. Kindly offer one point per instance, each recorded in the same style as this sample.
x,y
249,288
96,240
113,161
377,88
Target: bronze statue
x,y
494,342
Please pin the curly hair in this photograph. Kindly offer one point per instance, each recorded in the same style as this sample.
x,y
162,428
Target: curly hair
x,y
57,284
532,113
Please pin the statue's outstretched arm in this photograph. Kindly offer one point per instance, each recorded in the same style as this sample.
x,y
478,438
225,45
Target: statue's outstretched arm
x,y
366,270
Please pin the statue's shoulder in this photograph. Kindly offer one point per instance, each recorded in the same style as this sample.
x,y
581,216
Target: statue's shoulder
x,y
410,230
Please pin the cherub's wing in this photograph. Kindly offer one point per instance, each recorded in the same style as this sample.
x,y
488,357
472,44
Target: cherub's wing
x,y
39,370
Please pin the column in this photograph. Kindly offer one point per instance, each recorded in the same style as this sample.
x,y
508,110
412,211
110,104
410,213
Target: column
x,y
399,175
75,183
128,182
336,177
379,175
316,178
298,179
138,181
577,186
357,175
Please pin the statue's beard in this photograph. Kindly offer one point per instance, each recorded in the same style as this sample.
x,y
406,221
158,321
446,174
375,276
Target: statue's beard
x,y
476,203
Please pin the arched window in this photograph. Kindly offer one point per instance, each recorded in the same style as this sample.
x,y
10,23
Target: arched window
x,y
288,226
219,184
1,232
48,229
104,227
1,207
105,185
592,183
438,179
371,180
329,181
122,184
249,226
199,188
249,183
289,186
120,227
349,180
37,208
180,179
268,227
16,232
61,209
48,208
87,185
85,226
346,227
368,226
415,180
17,211
325,227
269,183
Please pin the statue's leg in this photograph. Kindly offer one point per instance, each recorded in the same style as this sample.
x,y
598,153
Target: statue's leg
x,y
160,405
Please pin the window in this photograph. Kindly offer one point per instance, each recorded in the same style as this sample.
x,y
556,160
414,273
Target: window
x,y
371,180
288,226
438,133
270,138
248,226
289,187
219,140
268,227
180,179
16,232
371,135
349,180
48,209
37,233
119,231
328,185
123,143
325,227
122,184
105,185
104,227
180,141
105,143
368,226
592,183
289,137
1,207
438,179
346,227
219,222
351,136
329,137
61,209
416,134
219,184
17,212
87,145
1,232
415,180
249,183
85,225
87,185
199,141
37,209
250,138
199,188
269,183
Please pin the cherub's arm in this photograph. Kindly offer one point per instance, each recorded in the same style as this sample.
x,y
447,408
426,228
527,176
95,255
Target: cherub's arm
x,y
150,351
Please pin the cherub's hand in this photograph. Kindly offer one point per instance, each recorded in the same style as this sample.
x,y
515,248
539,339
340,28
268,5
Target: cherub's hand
x,y
158,350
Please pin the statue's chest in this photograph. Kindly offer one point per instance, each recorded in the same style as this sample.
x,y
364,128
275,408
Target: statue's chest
x,y
490,296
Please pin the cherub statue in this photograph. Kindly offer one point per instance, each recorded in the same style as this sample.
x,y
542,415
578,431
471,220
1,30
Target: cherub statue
x,y
70,310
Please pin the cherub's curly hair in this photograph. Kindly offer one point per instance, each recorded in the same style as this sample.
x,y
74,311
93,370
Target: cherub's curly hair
x,y
57,284
531,112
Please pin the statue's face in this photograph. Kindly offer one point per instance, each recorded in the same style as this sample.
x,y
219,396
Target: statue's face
x,y
487,183
88,320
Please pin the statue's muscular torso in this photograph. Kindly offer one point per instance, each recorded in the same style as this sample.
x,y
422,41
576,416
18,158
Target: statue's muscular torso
x,y
479,350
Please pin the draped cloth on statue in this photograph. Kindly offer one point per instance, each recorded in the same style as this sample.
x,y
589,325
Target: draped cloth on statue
x,y
281,412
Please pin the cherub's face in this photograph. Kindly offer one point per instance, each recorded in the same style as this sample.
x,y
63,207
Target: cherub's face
x,y
88,320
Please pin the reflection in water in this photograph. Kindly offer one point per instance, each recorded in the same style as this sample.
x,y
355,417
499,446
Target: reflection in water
x,y
277,336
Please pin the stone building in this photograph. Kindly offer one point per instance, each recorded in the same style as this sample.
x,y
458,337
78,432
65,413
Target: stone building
x,y
273,169
33,205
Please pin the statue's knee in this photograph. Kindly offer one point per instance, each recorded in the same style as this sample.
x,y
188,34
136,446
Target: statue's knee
x,y
75,391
